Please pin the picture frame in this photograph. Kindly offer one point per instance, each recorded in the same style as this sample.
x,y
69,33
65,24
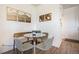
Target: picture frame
x,y
21,17
48,17
45,17
11,14
18,15
41,18
28,17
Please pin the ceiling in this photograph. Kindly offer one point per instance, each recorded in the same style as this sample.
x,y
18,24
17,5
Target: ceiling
x,y
35,4
65,6
69,5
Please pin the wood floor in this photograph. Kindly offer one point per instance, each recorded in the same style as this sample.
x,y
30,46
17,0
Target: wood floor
x,y
67,47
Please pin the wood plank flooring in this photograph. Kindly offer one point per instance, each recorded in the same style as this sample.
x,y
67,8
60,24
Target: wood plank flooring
x,y
67,47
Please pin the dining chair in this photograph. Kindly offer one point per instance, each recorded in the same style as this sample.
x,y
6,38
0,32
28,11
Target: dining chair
x,y
45,45
22,45
39,40
45,37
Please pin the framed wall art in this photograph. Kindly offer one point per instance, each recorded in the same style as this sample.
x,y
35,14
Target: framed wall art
x,y
24,17
45,17
17,15
11,14
28,17
41,18
21,17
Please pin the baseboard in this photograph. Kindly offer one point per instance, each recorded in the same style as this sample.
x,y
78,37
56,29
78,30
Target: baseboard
x,y
71,40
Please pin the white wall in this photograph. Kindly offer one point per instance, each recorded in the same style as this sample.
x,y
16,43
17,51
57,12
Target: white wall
x,y
70,22
53,27
7,28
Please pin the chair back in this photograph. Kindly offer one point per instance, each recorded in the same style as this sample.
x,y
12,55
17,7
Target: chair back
x,y
18,44
44,38
48,43
45,45
20,34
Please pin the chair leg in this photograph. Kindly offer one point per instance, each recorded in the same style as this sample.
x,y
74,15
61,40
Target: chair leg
x,y
21,52
17,52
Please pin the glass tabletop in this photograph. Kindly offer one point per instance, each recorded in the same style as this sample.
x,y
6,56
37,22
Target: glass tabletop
x,y
36,35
